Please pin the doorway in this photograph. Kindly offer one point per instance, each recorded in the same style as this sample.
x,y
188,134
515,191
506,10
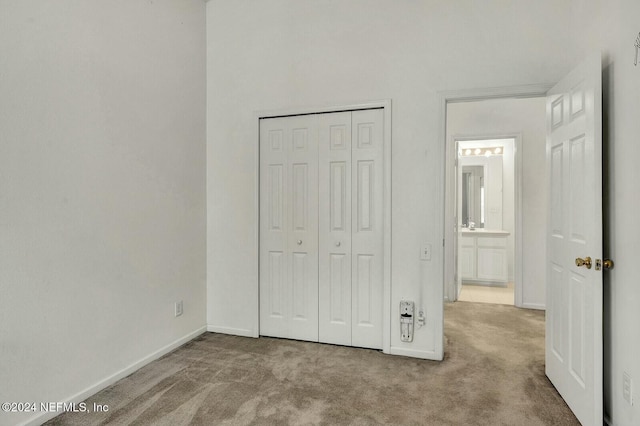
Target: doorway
x,y
516,125
485,211
572,185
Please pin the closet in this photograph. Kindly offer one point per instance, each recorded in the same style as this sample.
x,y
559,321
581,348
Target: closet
x,y
321,227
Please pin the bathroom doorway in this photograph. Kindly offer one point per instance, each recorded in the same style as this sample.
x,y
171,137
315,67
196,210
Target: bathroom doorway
x,y
485,212
505,194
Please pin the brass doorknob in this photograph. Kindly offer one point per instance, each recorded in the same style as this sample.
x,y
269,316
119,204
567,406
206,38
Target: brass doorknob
x,y
608,264
583,262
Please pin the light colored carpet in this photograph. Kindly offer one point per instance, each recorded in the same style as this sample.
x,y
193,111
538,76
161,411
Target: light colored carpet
x,y
487,294
493,374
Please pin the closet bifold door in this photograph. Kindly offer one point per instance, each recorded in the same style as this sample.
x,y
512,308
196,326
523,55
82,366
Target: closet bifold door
x,y
367,233
335,296
289,227
351,228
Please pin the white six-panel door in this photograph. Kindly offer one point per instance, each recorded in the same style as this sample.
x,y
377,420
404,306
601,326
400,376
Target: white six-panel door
x,y
574,293
289,228
336,186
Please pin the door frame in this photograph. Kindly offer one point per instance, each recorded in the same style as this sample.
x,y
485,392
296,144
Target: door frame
x,y
445,97
385,105
450,257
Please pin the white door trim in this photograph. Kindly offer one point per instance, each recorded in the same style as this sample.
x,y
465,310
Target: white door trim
x,y
443,98
385,104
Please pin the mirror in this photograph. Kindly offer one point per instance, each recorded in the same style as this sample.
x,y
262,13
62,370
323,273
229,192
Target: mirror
x,y
479,187
473,197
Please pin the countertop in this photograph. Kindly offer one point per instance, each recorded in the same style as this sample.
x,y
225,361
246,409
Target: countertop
x,y
466,232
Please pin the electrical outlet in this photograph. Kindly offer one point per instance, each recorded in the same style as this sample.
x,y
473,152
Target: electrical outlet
x,y
627,388
421,320
178,308
425,252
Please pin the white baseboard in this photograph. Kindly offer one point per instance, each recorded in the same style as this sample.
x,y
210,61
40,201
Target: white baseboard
x,y
414,353
538,306
231,330
108,381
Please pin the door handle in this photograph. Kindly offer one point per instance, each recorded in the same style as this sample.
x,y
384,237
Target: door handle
x,y
338,244
583,262
299,242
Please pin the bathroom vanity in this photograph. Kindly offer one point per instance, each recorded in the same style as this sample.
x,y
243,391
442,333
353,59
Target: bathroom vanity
x,y
483,255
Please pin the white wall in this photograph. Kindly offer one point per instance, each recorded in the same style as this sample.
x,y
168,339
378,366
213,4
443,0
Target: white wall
x,y
618,30
102,189
524,117
286,53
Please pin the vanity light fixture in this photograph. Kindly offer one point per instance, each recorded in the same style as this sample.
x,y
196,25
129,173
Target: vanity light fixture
x,y
487,152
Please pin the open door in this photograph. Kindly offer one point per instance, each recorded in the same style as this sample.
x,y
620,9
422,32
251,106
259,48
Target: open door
x,y
573,349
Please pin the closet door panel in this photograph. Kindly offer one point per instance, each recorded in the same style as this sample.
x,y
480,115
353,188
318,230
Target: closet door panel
x,y
367,228
289,227
303,210
335,304
274,247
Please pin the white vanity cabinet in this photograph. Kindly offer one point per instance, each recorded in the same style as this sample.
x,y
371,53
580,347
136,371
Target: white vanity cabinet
x,y
483,256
